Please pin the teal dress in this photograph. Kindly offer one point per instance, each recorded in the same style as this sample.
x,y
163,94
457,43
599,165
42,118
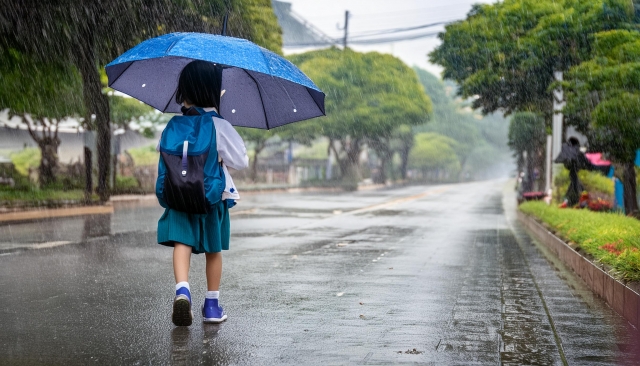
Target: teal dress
x,y
207,233
204,233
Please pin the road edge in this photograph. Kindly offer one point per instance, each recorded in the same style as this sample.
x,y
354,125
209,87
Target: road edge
x,y
623,299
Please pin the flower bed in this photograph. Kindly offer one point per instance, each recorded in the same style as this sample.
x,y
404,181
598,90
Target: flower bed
x,y
609,238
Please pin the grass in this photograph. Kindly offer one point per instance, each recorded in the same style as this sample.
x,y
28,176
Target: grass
x,y
143,156
41,197
26,159
593,182
610,238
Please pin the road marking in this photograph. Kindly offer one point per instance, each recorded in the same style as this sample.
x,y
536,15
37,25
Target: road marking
x,y
253,210
398,201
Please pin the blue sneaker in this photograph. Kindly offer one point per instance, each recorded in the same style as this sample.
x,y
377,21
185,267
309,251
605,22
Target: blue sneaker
x,y
182,315
212,312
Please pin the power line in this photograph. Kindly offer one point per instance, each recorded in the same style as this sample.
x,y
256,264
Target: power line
x,y
366,41
395,39
397,30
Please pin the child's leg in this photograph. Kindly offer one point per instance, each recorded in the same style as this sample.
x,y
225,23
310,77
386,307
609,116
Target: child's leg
x,y
182,314
214,270
181,262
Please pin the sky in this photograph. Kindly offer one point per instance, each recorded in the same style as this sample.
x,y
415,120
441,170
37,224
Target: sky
x,y
373,15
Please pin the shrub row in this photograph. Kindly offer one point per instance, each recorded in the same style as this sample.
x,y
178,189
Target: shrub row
x,y
610,238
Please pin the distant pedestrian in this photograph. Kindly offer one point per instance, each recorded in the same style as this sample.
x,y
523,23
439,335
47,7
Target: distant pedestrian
x,y
575,160
195,187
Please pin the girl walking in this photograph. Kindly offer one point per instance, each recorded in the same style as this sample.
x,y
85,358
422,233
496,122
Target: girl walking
x,y
195,188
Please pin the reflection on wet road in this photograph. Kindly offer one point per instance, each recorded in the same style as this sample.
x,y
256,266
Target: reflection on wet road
x,y
311,278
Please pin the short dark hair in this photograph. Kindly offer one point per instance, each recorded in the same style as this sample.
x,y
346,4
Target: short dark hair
x,y
199,84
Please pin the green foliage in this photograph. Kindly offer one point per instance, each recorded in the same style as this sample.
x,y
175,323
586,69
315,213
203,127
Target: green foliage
x,y
603,96
481,140
526,132
260,23
41,89
146,155
506,53
25,159
610,238
368,94
125,184
89,34
123,110
434,152
317,150
40,197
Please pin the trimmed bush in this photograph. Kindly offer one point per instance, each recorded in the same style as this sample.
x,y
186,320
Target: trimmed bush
x,y
610,238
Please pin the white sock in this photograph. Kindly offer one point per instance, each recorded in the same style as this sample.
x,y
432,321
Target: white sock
x,y
183,284
212,295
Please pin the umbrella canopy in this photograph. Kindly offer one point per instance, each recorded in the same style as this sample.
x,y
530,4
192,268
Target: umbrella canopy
x,y
596,159
262,89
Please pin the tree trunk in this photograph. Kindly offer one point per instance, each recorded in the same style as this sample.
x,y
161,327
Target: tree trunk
x,y
630,189
49,160
382,176
404,160
98,104
349,162
88,174
527,185
462,165
254,163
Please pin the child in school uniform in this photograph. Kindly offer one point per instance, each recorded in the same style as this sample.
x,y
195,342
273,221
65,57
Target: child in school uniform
x,y
199,92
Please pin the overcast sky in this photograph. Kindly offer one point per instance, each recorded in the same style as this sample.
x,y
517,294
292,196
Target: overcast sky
x,y
373,15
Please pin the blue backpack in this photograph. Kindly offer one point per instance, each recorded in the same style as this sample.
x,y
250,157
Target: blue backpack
x,y
190,178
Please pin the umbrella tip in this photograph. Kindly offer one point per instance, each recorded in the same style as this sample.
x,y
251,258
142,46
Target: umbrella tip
x,y
224,24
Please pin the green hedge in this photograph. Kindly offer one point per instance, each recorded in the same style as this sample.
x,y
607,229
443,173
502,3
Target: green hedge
x,y
610,238
593,182
146,155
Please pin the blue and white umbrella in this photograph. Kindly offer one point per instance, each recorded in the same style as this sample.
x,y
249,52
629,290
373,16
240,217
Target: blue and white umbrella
x,y
262,89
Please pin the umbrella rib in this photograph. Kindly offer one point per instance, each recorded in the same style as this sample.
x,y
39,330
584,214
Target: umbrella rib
x,y
169,101
123,71
314,100
264,109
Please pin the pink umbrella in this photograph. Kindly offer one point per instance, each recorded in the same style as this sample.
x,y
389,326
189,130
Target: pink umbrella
x,y
596,159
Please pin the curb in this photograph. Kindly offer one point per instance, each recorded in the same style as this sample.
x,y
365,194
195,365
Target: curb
x,y
623,299
32,215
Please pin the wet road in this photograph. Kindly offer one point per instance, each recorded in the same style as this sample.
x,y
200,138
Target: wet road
x,y
311,278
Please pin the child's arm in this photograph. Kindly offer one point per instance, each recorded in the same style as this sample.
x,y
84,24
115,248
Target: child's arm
x,y
231,148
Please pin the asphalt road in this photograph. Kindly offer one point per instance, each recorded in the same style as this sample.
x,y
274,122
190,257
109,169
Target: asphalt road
x,y
423,275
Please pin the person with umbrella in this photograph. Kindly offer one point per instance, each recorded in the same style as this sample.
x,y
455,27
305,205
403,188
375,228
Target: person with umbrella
x,y
179,227
261,90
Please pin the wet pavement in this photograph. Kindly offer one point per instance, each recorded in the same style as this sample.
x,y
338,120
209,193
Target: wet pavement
x,y
421,275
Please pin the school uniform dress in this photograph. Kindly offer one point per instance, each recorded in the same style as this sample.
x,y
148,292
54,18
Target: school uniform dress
x,y
209,233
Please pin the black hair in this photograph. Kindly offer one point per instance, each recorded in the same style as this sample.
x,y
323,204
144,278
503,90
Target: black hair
x,y
199,84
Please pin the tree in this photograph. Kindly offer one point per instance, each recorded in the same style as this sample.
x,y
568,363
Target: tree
x,y
368,96
257,139
89,34
527,137
434,154
505,54
42,94
403,141
603,101
448,119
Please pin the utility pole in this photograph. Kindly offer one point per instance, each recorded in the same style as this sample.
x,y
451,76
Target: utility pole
x,y
557,133
346,28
